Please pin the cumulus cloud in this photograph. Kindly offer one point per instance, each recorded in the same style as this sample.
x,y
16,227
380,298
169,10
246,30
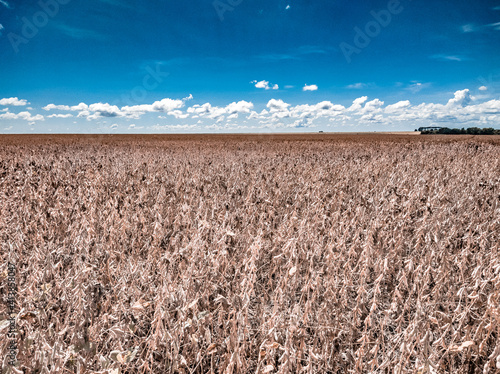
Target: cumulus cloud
x,y
105,110
372,106
462,98
312,87
265,85
218,113
239,107
75,108
204,109
483,88
277,105
56,107
99,110
167,105
60,116
461,108
396,108
27,116
357,104
80,107
372,117
178,114
14,101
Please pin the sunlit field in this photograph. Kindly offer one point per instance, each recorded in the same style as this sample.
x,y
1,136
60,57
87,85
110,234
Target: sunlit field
x,y
252,254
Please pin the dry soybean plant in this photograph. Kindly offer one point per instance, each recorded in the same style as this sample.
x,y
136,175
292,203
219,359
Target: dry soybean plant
x,y
253,255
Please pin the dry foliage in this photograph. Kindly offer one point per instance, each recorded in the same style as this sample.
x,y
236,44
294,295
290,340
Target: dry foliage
x,y
378,255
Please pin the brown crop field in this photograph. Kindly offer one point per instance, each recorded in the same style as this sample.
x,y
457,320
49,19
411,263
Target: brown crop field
x,y
317,253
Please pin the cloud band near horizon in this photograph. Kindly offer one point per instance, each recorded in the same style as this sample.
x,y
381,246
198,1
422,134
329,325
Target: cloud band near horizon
x,y
462,110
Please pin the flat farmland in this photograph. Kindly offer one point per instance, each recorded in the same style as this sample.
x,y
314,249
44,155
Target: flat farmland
x,y
282,253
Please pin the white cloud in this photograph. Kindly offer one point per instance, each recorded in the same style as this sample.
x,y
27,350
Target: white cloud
x,y
357,103
200,109
207,110
239,107
372,106
483,88
397,108
60,116
261,84
167,105
136,111
5,4
461,109
277,105
22,115
56,107
13,101
265,85
104,110
462,98
28,117
312,87
372,117
83,114
80,107
76,108
178,114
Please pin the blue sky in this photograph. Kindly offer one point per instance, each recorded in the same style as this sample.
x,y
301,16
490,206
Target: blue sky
x,y
247,65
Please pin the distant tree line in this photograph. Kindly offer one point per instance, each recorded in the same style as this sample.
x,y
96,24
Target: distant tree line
x,y
448,131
